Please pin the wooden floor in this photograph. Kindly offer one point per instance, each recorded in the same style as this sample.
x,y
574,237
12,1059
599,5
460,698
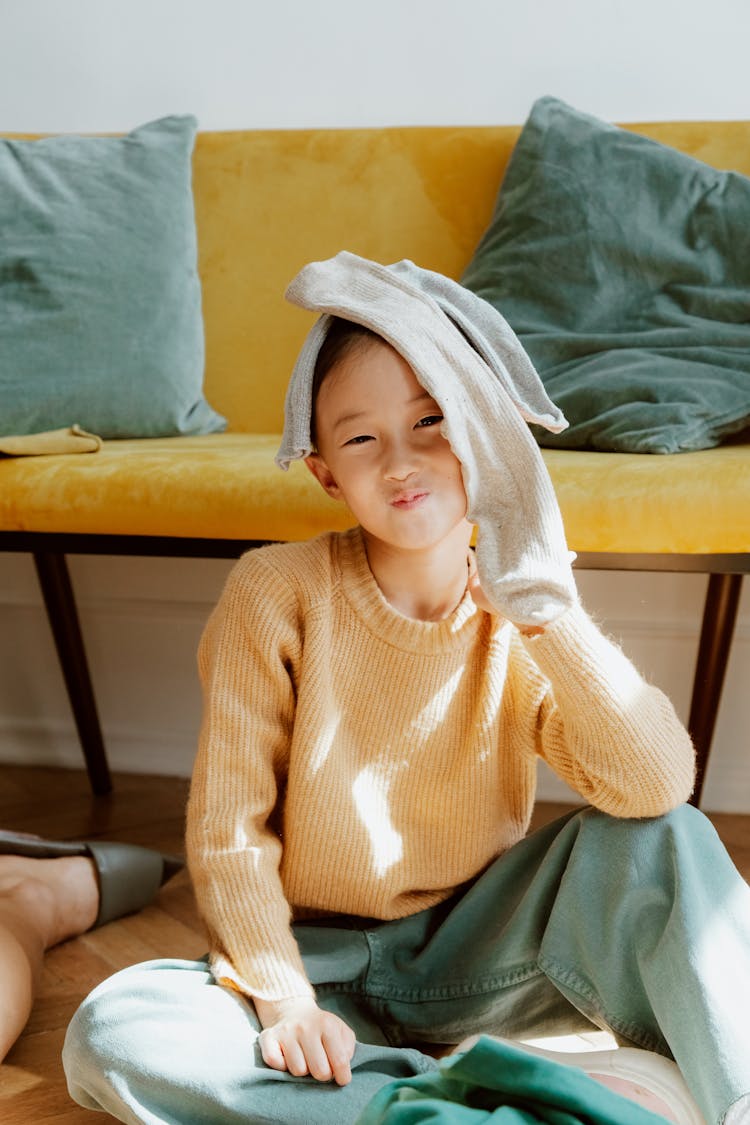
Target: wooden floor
x,y
142,810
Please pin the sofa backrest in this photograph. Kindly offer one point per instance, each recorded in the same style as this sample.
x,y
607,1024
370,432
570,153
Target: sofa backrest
x,y
269,201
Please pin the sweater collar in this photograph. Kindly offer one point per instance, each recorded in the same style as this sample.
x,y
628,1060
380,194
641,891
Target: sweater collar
x,y
366,599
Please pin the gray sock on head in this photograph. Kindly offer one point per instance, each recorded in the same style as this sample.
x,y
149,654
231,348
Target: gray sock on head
x,y
469,359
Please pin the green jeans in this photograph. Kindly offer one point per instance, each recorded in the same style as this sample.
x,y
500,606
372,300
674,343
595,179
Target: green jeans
x,y
638,926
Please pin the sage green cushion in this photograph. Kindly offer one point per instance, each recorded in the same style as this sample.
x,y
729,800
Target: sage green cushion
x,y
624,267
100,302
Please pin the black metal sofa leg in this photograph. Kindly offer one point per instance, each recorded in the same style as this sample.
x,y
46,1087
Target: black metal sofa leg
x,y
59,599
719,616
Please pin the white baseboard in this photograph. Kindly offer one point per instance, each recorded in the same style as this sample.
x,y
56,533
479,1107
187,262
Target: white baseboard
x,y
23,742
134,750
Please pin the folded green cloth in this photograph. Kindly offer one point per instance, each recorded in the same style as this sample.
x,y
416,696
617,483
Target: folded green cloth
x,y
494,1082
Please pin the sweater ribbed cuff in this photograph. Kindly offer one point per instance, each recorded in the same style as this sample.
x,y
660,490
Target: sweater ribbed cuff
x,y
273,980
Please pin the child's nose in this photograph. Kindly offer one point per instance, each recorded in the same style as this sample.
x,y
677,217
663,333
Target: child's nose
x,y
399,460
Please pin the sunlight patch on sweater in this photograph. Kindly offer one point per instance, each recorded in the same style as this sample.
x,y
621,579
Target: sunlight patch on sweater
x,y
370,792
435,711
319,751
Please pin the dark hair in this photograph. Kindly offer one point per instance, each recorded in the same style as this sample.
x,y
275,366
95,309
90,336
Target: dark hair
x,y
342,339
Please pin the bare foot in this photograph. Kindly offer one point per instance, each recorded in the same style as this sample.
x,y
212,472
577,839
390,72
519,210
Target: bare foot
x,y
56,898
42,902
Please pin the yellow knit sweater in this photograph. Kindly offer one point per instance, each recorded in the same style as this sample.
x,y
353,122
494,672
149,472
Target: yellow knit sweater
x,y
355,761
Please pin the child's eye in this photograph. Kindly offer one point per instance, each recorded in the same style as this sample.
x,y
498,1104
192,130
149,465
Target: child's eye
x,y
430,420
360,439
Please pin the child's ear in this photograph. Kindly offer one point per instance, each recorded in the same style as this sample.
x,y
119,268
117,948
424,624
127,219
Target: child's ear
x,y
323,475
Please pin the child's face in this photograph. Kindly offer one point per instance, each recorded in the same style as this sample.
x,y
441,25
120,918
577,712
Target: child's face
x,y
380,450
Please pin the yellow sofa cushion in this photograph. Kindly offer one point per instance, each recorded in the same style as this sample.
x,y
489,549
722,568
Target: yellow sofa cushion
x,y
227,486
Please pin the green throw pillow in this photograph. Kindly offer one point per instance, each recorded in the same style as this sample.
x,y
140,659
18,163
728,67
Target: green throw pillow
x,y
624,267
100,303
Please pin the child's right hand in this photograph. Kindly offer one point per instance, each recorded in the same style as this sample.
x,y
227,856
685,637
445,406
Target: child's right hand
x,y
302,1038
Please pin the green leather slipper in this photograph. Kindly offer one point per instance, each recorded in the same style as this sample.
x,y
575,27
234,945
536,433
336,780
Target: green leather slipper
x,y
129,875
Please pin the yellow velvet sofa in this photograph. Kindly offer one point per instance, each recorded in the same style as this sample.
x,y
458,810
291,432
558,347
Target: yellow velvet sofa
x,y
266,203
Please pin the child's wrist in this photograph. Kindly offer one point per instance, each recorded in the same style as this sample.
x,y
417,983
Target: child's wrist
x,y
270,1012
531,630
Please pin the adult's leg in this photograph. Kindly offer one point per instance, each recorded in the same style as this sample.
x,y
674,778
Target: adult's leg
x,y
42,902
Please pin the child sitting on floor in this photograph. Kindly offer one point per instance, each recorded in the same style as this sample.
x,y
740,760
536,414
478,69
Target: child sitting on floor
x,y
375,703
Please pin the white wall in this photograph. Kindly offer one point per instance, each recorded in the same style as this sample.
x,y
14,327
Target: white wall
x,y
108,65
